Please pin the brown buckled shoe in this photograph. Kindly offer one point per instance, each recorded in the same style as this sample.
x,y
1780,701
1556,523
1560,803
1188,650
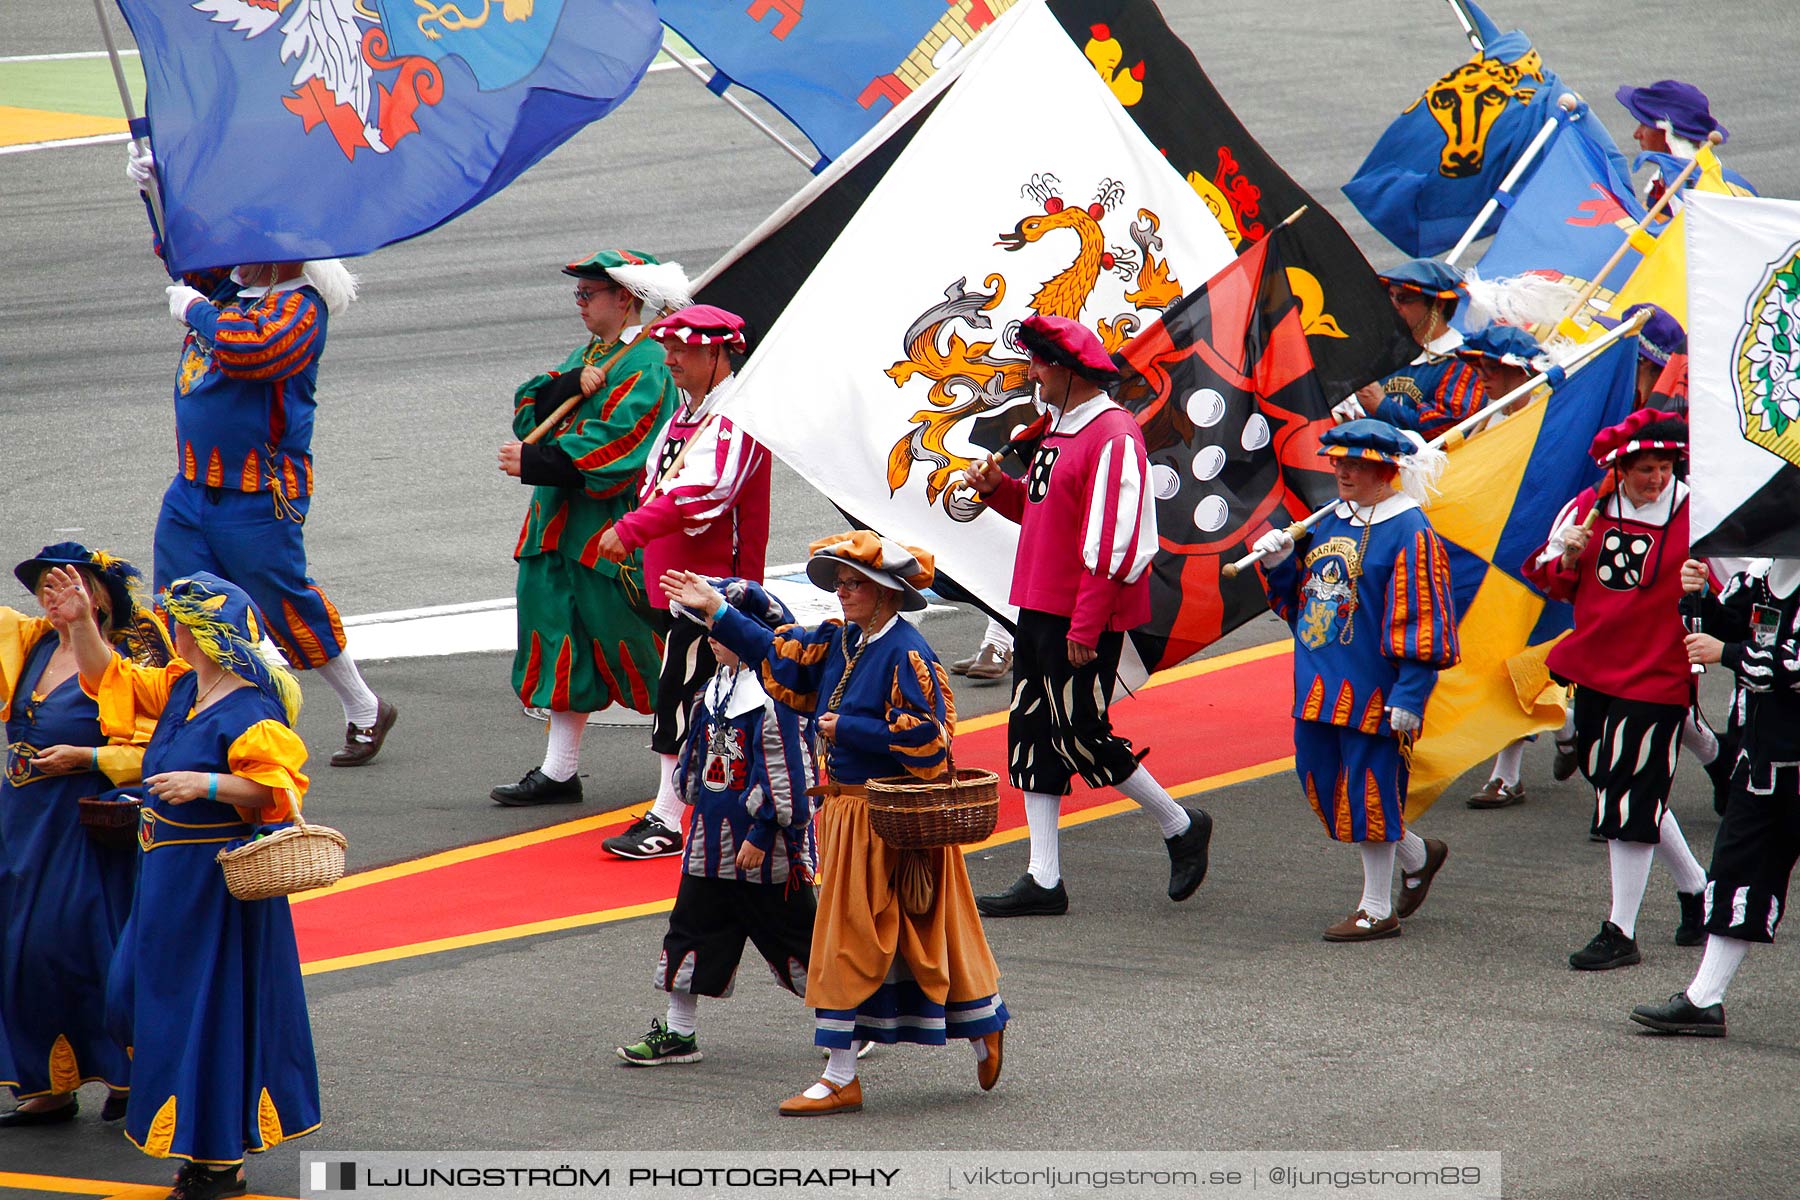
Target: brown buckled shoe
x,y
1359,926
844,1099
1414,884
991,663
987,1071
1498,795
362,745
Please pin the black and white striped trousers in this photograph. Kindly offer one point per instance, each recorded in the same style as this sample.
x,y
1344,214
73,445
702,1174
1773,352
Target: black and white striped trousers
x,y
1627,750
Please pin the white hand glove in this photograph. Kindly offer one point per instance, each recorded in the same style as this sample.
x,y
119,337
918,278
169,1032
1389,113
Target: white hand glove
x,y
140,165
180,297
1275,546
1348,409
1404,721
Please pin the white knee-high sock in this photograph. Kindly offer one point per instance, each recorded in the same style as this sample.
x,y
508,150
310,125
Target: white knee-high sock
x,y
997,636
1041,812
1673,853
684,1012
840,1069
1141,786
360,705
1378,879
1410,851
562,747
1720,962
1568,730
1507,763
667,808
1698,740
1630,872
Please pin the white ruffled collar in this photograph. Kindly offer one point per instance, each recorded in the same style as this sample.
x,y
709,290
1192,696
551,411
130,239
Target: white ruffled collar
x,y
1383,510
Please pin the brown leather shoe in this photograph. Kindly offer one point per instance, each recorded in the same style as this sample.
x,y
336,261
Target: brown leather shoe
x,y
1359,926
987,1071
1498,795
362,745
1412,894
990,663
845,1099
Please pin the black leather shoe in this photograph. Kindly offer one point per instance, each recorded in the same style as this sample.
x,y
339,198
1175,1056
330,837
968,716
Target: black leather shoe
x,y
1025,898
362,745
1565,762
195,1182
1187,855
20,1118
1681,1015
538,788
115,1106
1692,930
1610,948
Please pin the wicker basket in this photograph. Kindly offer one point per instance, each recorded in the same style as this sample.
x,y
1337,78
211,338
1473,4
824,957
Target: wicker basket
x,y
296,859
110,822
910,814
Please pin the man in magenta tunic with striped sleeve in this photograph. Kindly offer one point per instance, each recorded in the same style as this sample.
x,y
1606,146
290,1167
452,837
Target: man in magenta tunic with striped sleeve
x,y
1087,535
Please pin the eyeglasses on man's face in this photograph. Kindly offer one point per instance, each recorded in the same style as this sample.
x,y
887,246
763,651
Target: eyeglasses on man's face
x,y
584,294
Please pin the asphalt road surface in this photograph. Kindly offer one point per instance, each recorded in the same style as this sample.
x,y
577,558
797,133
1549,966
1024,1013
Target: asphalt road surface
x,y
1223,1023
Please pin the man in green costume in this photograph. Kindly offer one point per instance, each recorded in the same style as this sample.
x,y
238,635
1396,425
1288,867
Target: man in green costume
x,y
583,642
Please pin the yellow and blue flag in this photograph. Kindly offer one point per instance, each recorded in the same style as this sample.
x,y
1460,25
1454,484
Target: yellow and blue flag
x,y
1429,174
326,128
1500,493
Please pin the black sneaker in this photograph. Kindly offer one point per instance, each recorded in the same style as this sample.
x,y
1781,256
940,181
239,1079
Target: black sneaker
x,y
1681,1015
1187,855
661,1045
538,788
1565,762
1610,948
1692,930
1025,898
647,838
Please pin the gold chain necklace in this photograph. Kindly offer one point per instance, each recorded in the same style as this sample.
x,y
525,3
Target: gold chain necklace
x,y
210,689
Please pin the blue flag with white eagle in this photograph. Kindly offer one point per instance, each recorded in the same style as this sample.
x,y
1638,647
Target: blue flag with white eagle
x,y
287,130
1441,159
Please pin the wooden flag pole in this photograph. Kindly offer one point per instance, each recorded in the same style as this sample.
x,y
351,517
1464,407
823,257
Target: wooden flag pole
x,y
738,107
1662,202
112,53
1588,353
1566,102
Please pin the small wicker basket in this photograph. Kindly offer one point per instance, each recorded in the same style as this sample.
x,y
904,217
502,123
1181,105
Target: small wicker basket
x,y
912,814
296,859
110,822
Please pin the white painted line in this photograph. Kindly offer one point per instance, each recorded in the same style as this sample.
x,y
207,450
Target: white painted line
x,y
96,140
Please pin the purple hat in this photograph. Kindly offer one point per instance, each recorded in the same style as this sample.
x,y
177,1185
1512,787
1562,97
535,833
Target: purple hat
x,y
1682,105
1066,343
1661,336
700,325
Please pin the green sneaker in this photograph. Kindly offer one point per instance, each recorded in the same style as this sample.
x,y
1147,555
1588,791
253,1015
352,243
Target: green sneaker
x,y
661,1045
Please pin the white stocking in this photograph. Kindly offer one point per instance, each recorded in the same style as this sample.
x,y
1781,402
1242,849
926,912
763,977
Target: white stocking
x,y
1378,879
1041,812
667,808
562,747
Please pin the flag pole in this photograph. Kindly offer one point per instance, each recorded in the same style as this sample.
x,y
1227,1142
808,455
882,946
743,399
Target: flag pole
x,y
112,52
1589,352
737,105
1567,102
1468,24
1662,202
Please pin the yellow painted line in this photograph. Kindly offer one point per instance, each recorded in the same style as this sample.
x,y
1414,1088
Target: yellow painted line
x,y
604,916
486,937
479,850
19,126
96,1187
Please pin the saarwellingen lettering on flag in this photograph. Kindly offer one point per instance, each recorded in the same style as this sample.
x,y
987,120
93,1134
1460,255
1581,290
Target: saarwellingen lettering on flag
x,y
1044,197
1444,156
326,128
1744,374
1500,492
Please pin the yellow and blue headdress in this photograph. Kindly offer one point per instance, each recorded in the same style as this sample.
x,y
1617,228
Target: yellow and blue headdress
x,y
1366,438
1430,279
134,627
228,629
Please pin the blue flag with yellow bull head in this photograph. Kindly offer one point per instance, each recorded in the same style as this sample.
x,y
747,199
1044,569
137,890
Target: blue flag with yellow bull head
x,y
324,128
833,69
1441,159
1500,493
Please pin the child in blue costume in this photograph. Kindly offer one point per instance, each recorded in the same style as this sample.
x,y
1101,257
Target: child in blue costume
x,y
1436,389
63,897
747,769
1374,621
223,1057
